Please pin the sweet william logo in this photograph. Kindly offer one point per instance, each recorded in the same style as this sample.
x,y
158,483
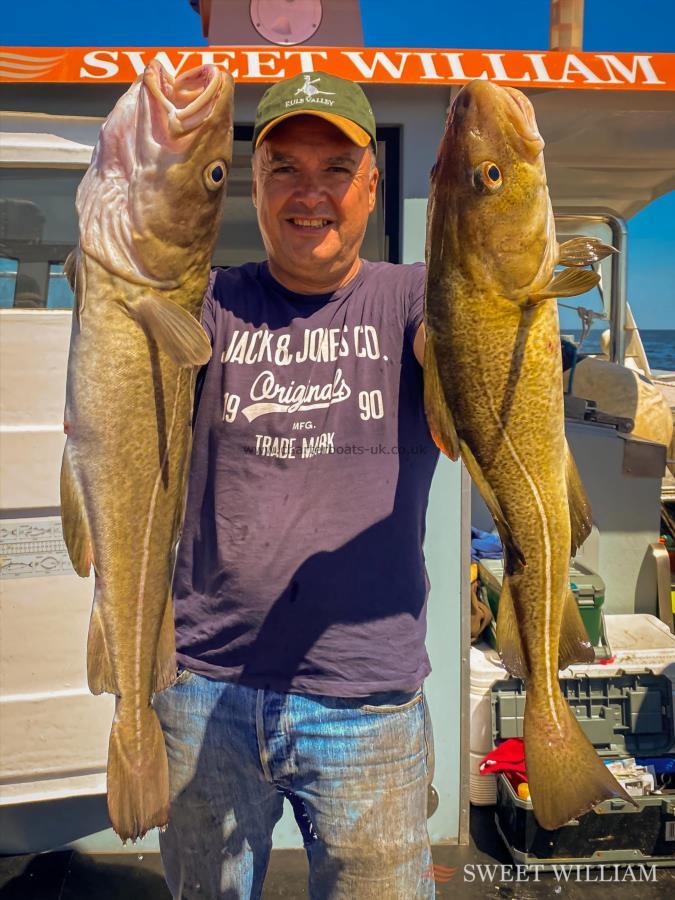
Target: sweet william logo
x,y
498,874
440,874
377,65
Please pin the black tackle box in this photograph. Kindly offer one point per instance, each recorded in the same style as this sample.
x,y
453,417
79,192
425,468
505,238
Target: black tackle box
x,y
623,715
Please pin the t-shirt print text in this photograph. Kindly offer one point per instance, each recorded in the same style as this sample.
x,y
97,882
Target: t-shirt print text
x,y
270,393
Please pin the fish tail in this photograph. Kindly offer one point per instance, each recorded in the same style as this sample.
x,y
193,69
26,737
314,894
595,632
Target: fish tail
x,y
138,774
566,776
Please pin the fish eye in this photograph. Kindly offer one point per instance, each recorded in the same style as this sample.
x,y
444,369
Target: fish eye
x,y
214,175
487,176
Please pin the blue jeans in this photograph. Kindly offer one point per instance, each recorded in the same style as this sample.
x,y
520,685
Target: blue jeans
x,y
356,772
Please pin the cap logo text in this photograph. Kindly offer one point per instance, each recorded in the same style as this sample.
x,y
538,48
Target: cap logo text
x,y
320,100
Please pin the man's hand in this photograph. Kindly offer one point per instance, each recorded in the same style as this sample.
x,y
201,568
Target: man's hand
x,y
418,344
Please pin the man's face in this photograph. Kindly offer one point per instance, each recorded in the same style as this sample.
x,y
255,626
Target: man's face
x,y
313,189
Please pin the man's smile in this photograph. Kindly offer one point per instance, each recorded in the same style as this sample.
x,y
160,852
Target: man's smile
x,y
314,225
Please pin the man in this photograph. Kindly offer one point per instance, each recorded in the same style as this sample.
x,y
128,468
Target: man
x,y
300,585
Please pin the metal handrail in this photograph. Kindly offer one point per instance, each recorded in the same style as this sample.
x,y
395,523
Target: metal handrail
x,y
617,296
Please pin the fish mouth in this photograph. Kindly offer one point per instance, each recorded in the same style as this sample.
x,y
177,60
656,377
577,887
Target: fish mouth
x,y
481,102
189,99
523,120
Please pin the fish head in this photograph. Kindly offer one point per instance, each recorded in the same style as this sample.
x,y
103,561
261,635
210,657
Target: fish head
x,y
151,202
491,182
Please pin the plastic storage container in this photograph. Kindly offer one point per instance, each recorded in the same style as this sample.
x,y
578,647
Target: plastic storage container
x,y
623,715
587,586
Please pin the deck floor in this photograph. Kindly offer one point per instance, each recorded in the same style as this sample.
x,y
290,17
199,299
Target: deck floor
x,y
69,875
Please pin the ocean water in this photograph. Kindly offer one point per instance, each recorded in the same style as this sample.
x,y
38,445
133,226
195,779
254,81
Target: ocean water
x,y
659,346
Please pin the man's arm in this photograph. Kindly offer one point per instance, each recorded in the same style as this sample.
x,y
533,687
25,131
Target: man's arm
x,y
418,344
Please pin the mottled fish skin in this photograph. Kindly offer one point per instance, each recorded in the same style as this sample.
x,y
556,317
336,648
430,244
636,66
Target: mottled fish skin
x,y
493,393
149,208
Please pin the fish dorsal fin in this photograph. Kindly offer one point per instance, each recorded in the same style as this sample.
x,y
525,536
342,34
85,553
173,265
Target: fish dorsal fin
x,y
174,329
76,532
575,645
509,641
567,283
582,251
439,417
581,516
514,559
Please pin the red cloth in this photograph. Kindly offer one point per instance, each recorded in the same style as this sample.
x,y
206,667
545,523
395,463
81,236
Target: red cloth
x,y
508,757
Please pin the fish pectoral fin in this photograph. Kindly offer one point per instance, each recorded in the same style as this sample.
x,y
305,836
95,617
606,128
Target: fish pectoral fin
x,y
173,328
70,268
575,645
76,533
581,516
101,675
509,641
567,283
165,660
73,269
439,417
514,560
582,251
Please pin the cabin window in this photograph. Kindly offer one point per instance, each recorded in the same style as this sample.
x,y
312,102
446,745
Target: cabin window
x,y
38,229
8,271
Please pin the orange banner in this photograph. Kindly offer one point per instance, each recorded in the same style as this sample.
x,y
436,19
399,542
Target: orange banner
x,y
97,65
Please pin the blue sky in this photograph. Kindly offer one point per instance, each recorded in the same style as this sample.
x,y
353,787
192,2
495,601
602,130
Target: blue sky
x,y
491,24
496,24
651,264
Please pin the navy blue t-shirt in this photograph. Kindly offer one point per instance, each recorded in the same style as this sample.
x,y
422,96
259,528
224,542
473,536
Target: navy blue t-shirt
x,y
300,566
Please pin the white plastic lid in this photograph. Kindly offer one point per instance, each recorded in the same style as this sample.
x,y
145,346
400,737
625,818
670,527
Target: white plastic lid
x,y
638,634
486,668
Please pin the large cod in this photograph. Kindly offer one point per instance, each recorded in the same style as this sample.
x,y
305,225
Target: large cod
x,y
493,393
149,208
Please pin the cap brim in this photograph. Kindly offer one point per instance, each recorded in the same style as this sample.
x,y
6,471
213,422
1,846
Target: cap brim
x,y
354,132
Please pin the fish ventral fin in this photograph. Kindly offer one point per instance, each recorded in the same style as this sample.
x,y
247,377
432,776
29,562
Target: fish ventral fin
x,y
439,417
567,283
582,251
76,533
509,641
567,777
581,516
575,645
173,328
514,560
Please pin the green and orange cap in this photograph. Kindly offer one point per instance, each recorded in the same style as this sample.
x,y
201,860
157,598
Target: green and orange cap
x,y
337,100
